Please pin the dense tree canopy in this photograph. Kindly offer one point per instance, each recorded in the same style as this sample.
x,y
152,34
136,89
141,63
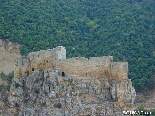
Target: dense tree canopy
x,y
124,29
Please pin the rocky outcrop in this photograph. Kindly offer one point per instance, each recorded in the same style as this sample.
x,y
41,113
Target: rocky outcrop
x,y
52,94
8,51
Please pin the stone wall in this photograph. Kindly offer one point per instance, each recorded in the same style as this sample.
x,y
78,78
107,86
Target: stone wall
x,y
95,67
119,70
40,60
84,67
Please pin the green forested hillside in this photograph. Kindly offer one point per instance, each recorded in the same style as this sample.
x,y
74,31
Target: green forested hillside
x,y
124,29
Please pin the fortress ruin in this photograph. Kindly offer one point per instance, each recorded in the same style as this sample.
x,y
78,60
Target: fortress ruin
x,y
79,86
98,67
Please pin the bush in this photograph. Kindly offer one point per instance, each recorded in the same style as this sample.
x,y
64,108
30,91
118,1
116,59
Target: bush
x,y
140,107
10,76
2,75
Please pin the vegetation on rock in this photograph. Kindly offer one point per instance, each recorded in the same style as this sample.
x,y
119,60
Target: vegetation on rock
x,y
142,111
6,78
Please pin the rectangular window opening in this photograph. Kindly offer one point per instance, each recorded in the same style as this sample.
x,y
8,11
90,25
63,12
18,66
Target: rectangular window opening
x,y
63,74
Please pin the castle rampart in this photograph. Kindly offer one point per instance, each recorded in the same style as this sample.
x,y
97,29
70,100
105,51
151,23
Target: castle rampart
x,y
84,67
81,67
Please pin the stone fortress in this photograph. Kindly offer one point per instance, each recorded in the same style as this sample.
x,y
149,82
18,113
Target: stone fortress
x,y
79,66
45,83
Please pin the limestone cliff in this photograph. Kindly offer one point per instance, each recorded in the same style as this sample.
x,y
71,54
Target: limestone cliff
x,y
8,51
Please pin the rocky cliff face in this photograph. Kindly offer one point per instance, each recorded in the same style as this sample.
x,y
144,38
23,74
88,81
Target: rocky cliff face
x,y
51,94
8,51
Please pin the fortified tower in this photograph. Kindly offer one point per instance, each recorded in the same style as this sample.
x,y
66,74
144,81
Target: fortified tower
x,y
41,60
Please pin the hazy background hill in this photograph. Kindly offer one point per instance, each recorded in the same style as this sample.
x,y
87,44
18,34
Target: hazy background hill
x,y
124,29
